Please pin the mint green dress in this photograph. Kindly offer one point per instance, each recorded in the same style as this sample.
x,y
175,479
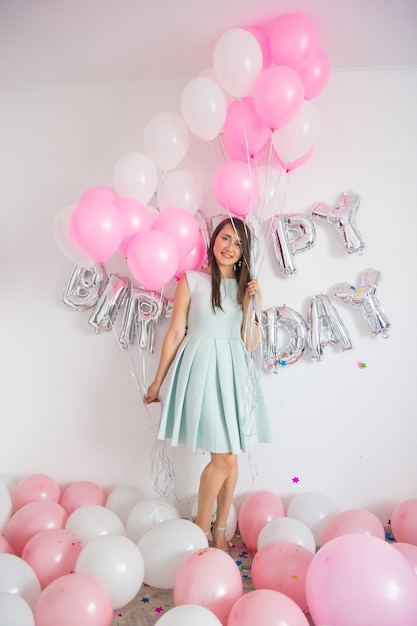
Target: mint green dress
x,y
213,399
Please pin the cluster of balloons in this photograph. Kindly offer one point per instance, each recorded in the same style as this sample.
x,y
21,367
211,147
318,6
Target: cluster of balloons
x,y
157,247
257,93
334,564
71,556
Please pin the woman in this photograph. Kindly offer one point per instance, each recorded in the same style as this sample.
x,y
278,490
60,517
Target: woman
x,y
213,396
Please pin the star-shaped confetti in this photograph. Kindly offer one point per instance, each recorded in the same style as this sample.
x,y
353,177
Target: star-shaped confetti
x,y
295,479
283,362
145,600
159,610
361,365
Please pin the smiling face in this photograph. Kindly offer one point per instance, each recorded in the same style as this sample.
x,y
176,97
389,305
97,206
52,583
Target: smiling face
x,y
227,250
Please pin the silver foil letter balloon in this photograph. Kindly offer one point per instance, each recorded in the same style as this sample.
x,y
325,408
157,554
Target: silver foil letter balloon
x,y
291,235
108,306
343,218
85,286
366,300
325,327
142,313
274,319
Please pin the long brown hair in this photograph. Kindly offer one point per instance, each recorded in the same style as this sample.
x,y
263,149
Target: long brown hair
x,y
242,271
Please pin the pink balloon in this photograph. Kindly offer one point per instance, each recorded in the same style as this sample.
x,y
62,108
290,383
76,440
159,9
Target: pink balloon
x,y
30,519
293,40
137,219
244,129
354,521
74,600
193,260
35,487
409,551
277,95
209,578
282,565
236,187
263,41
258,509
153,259
404,521
80,494
315,75
52,553
268,608
360,580
100,193
181,226
5,547
97,228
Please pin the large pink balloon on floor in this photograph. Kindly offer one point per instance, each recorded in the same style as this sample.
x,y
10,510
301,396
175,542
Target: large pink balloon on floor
x,y
293,40
181,226
210,578
409,551
81,493
30,519
258,509
97,228
74,600
137,219
236,187
267,608
52,553
153,258
277,95
354,521
404,521
315,75
35,487
358,580
282,565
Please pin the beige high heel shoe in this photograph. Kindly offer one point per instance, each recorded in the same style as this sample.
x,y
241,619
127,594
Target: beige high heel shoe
x,y
221,529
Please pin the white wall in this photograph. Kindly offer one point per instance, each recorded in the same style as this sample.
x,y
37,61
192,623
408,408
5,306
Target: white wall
x,y
70,407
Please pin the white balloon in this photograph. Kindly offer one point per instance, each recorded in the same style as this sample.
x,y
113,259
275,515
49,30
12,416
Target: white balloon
x,y
204,107
6,505
146,514
315,510
297,137
122,499
92,520
15,611
117,563
166,546
287,529
135,176
166,140
64,241
189,615
17,576
180,189
237,61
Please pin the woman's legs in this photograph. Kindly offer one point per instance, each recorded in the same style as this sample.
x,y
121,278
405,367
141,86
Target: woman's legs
x,y
217,481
